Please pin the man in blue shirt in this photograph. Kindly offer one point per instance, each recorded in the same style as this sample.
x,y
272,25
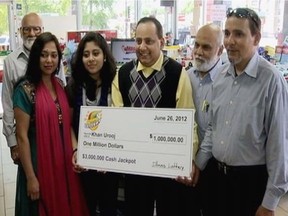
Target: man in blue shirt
x,y
247,137
207,50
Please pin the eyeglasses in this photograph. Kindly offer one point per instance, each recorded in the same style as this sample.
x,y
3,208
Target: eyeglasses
x,y
36,29
243,13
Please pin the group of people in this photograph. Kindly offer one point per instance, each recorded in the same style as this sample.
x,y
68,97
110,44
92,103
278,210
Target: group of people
x,y
240,139
240,111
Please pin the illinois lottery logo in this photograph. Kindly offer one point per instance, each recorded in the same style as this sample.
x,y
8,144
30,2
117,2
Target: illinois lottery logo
x,y
93,119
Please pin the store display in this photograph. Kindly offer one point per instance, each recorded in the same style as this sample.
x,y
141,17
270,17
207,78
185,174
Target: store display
x,y
281,54
283,68
123,50
3,55
277,57
78,35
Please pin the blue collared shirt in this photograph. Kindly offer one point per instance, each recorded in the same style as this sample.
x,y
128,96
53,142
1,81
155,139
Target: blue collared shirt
x,y
202,96
249,124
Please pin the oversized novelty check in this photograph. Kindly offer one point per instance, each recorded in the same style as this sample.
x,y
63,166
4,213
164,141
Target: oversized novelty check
x,y
144,141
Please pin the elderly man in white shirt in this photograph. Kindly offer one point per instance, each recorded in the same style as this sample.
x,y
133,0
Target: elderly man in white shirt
x,y
14,67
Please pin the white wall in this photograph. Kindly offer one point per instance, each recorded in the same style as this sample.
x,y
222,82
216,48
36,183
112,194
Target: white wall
x,y
59,25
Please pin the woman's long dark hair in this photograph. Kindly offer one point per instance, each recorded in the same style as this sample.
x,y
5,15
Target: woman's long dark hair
x,y
33,72
81,75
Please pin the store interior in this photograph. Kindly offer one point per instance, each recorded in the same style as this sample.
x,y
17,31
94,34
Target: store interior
x,y
180,20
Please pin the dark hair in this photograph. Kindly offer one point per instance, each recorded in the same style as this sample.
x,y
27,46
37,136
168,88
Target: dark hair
x,y
33,72
250,15
81,75
158,25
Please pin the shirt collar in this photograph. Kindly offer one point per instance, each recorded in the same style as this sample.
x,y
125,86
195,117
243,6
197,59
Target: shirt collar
x,y
213,73
156,66
251,68
21,52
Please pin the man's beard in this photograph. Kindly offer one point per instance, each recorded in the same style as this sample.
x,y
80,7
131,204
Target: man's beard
x,y
204,65
28,43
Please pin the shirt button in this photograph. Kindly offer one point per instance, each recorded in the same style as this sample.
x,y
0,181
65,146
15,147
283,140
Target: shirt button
x,y
231,102
226,122
235,82
222,142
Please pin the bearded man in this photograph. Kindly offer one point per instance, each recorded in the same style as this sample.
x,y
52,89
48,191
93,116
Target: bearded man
x,y
207,50
14,67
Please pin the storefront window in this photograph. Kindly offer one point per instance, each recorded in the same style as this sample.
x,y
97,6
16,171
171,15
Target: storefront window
x,y
180,18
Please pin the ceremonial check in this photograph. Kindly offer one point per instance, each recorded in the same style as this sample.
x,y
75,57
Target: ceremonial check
x,y
144,141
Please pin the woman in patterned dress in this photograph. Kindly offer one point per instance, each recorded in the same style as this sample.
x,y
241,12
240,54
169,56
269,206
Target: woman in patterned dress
x,y
46,182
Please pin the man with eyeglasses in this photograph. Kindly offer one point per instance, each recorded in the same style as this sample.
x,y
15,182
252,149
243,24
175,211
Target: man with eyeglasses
x,y
14,67
247,137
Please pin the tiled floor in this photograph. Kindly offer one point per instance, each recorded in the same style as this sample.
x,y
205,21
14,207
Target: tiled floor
x,y
8,177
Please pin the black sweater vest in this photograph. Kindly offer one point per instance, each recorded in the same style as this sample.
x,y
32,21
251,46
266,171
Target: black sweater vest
x,y
167,88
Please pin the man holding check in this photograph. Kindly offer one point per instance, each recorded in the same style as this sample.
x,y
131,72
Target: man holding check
x,y
157,81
